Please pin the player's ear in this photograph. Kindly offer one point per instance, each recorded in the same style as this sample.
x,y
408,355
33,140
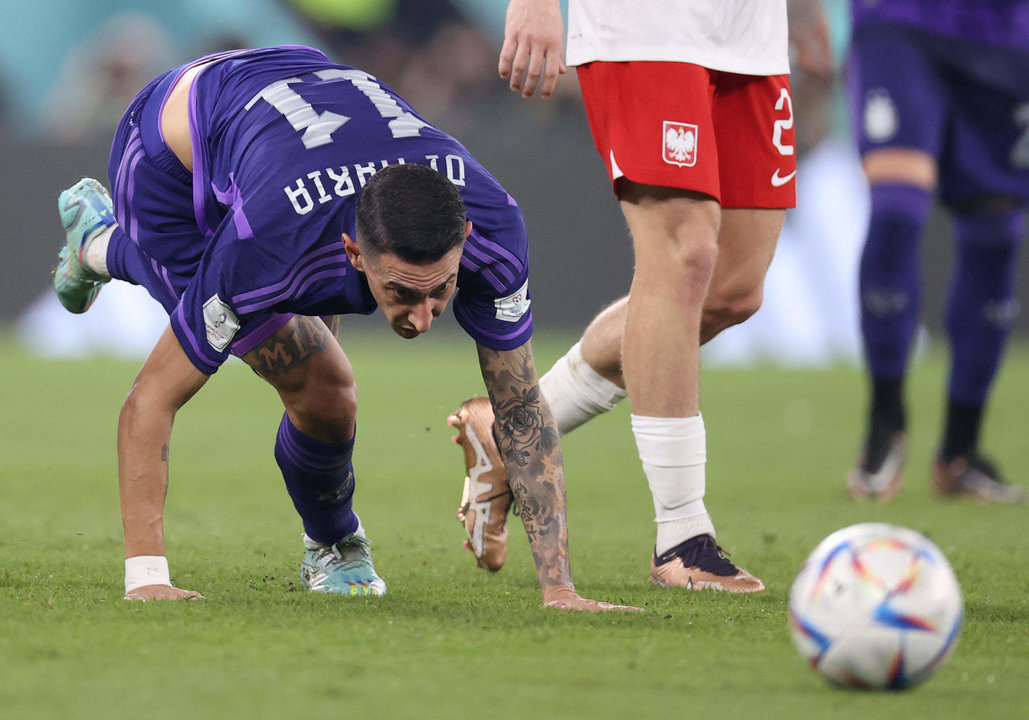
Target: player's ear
x,y
467,229
353,253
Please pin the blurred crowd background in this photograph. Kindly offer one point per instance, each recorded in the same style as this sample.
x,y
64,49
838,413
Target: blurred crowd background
x,y
68,69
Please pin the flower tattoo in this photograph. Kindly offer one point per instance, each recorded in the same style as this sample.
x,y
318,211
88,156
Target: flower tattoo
x,y
520,420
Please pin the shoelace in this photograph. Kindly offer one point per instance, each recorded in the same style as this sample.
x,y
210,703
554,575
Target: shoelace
x,y
351,554
702,552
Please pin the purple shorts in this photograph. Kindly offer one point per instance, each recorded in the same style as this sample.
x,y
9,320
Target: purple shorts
x,y
152,193
966,104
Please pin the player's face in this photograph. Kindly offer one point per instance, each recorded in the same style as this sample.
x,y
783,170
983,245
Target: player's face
x,y
410,296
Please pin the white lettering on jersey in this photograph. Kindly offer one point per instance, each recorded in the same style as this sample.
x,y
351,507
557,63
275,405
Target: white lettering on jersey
x,y
222,324
403,124
344,185
343,176
512,307
316,177
317,128
455,169
298,194
365,172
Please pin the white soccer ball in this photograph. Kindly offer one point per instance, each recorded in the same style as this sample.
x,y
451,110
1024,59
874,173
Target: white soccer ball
x,y
876,606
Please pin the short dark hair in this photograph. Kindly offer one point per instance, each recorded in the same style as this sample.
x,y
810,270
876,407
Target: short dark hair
x,y
411,211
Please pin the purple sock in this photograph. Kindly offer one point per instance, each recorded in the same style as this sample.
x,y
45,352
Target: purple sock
x,y
320,478
982,302
889,279
125,261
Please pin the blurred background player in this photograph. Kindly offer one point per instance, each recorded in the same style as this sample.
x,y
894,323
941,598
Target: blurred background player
x,y
940,94
689,105
256,193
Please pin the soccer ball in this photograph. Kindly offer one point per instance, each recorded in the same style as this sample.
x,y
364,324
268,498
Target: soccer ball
x,y
876,606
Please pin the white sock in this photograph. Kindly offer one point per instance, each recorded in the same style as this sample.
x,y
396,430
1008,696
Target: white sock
x,y
311,544
96,252
674,454
576,392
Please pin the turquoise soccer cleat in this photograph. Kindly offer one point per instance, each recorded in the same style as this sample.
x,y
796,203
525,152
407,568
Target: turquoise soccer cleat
x,y
344,568
86,211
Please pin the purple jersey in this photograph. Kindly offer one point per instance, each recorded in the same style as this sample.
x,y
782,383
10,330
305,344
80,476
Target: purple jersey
x,y
1003,23
283,141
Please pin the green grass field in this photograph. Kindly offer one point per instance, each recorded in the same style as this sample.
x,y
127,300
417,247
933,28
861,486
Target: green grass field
x,y
449,640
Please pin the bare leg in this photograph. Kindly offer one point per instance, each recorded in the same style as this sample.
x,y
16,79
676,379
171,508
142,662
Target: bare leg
x,y
602,341
313,377
675,238
746,243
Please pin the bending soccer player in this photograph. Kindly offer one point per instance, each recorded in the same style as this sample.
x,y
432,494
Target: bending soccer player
x,y
703,175
256,192
954,120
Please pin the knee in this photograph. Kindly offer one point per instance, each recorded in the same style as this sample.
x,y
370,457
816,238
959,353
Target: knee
x,y
695,245
326,410
725,308
683,272
696,258
990,228
680,246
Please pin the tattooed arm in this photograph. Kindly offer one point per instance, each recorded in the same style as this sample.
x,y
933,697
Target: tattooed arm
x,y
167,380
528,440
332,322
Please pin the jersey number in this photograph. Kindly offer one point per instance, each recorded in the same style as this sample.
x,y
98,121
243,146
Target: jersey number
x,y
780,125
317,128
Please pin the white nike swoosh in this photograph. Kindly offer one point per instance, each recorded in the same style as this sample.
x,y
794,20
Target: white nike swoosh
x,y
780,181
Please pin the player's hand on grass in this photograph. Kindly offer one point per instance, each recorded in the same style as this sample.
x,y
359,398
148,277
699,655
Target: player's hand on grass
x,y
161,592
565,598
533,47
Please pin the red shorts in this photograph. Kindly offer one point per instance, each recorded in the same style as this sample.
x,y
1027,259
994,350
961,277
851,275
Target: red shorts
x,y
726,135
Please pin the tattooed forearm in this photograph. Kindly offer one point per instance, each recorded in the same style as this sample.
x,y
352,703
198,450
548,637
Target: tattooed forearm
x,y
528,440
521,412
292,346
507,367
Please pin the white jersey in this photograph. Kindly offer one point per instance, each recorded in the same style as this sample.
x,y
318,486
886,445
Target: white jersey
x,y
748,37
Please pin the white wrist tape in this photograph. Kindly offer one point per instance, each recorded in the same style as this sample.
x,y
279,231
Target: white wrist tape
x,y
146,570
